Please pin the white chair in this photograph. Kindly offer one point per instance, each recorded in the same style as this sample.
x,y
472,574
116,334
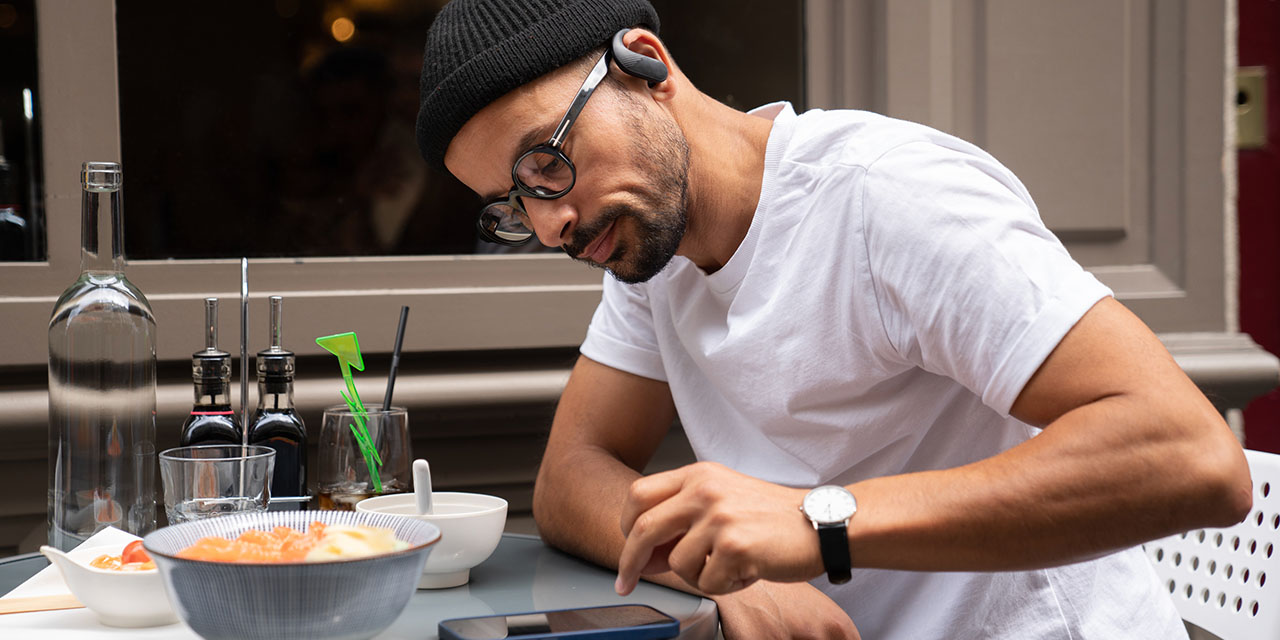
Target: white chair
x,y
1227,581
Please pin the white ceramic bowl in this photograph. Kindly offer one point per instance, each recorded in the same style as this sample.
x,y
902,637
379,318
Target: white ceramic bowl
x,y
354,598
470,526
118,598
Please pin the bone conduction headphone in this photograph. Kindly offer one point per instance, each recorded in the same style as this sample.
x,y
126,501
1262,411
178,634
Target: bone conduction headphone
x,y
637,64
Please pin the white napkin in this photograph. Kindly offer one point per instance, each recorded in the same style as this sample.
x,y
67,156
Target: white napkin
x,y
49,581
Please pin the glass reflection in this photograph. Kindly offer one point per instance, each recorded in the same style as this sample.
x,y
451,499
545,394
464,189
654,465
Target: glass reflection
x,y
277,139
22,226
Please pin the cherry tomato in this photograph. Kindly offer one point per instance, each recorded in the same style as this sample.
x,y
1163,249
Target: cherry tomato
x,y
133,552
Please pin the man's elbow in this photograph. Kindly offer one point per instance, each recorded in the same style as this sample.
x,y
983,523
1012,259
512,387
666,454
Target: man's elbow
x,y
543,506
1226,495
550,509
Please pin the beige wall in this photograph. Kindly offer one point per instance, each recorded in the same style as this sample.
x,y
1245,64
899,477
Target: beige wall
x,y
1116,114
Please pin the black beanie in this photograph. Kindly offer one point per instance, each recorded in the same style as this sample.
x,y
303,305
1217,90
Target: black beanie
x,y
479,50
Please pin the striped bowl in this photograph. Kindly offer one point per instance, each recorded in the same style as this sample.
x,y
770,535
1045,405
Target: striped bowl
x,y
337,599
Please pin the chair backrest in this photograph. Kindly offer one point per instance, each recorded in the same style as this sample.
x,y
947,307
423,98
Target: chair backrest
x,y
1227,581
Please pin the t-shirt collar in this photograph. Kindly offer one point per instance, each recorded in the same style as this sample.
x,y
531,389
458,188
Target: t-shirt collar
x,y
784,116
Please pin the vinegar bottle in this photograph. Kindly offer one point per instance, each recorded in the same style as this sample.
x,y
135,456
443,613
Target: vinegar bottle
x,y
276,423
211,421
102,382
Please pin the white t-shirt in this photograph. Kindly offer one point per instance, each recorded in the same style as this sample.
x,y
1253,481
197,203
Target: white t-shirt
x,y
894,293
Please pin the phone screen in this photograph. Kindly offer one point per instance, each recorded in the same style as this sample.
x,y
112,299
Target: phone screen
x,y
589,619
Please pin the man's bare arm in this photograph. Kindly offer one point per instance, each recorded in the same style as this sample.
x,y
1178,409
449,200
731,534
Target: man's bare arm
x,y
607,426
606,429
1131,451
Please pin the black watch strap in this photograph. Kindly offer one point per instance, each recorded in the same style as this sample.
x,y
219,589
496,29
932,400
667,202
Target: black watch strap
x,y
833,541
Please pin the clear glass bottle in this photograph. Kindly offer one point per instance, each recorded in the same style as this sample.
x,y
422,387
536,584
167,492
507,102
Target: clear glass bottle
x,y
211,421
102,382
276,423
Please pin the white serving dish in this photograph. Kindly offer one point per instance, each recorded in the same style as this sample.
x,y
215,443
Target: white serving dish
x,y
118,598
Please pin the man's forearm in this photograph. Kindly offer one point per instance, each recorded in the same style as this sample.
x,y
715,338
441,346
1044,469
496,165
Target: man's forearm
x,y
577,503
1109,475
607,426
1131,451
1081,488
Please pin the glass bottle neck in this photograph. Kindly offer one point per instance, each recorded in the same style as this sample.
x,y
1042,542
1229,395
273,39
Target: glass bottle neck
x,y
212,393
101,232
275,395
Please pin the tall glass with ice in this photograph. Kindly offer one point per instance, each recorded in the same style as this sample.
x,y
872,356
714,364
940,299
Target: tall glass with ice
x,y
343,475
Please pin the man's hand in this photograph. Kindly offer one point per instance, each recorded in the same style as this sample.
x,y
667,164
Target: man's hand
x,y
768,610
717,529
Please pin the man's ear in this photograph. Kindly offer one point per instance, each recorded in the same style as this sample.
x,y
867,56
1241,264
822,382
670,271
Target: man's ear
x,y
637,64
641,54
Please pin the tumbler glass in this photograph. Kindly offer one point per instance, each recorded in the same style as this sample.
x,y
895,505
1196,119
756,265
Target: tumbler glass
x,y
343,477
211,480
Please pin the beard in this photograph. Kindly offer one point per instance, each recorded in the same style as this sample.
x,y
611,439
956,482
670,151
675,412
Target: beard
x,y
660,216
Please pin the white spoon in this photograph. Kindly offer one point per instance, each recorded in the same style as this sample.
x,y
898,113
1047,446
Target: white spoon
x,y
422,485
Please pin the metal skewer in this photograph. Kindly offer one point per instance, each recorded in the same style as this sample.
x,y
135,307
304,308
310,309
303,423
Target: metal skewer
x,y
244,368
244,350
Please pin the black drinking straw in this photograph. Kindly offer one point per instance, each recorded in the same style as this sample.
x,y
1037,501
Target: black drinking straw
x,y
395,358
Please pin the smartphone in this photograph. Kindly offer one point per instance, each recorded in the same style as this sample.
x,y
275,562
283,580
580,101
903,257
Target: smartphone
x,y
617,622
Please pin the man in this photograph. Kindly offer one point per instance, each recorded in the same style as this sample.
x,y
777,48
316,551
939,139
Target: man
x,y
832,298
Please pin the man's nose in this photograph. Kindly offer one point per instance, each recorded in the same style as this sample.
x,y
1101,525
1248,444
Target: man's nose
x,y
553,220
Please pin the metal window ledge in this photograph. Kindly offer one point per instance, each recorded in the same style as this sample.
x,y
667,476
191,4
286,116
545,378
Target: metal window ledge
x,y
1230,368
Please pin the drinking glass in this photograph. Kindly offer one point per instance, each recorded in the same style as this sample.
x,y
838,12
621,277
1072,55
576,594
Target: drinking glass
x,y
343,478
211,480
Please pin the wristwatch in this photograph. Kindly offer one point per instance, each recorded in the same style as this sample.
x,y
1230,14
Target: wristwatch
x,y
829,508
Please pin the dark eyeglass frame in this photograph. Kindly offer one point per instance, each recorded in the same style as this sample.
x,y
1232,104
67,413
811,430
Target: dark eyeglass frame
x,y
489,222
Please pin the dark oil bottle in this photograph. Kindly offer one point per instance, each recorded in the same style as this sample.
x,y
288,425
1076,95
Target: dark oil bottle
x,y
211,421
276,423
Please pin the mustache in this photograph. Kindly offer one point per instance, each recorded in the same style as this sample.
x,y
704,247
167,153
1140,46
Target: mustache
x,y
582,236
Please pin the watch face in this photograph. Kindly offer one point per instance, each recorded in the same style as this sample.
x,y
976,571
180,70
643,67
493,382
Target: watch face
x,y
829,504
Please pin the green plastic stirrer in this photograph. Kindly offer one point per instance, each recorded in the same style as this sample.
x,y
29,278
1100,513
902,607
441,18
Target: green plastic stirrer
x,y
347,347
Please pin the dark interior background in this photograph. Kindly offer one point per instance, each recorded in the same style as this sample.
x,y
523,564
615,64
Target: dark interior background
x,y
249,129
22,233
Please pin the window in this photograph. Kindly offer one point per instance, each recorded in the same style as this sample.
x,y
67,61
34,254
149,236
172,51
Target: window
x,y
21,211
286,128
744,53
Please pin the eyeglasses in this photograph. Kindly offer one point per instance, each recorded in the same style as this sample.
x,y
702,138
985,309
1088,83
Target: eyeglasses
x,y
543,172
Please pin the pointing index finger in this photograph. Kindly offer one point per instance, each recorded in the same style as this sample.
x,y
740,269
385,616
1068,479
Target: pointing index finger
x,y
648,495
648,492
